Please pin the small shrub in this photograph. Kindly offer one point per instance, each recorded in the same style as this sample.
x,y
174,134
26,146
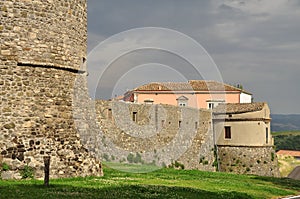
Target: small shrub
x,y
205,162
177,165
105,157
137,158
130,158
27,172
272,156
113,157
5,167
153,163
215,164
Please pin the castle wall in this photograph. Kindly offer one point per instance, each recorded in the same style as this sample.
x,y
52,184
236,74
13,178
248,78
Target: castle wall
x,y
141,128
248,160
169,133
43,45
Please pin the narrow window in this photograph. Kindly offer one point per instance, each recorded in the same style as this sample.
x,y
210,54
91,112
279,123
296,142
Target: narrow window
x,y
267,135
162,123
211,105
179,124
196,125
227,132
134,116
109,114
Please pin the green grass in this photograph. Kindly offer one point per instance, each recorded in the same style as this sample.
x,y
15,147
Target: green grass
x,y
164,183
132,168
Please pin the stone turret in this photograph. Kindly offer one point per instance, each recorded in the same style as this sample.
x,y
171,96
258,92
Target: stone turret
x,y
43,46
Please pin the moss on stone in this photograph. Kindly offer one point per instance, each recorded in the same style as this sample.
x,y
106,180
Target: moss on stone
x,y
4,9
10,126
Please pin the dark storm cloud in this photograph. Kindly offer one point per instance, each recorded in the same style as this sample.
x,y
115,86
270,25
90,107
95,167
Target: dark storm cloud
x,y
255,43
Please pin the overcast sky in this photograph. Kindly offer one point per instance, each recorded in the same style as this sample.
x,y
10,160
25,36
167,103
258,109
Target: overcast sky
x,y
254,43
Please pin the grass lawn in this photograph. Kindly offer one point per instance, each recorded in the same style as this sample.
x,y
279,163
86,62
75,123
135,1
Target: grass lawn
x,y
164,183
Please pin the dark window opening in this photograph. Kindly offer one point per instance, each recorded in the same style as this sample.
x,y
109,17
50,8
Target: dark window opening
x,y
211,105
109,114
134,116
267,135
179,124
227,132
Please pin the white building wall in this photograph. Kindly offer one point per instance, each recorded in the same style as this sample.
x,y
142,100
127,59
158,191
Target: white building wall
x,y
245,98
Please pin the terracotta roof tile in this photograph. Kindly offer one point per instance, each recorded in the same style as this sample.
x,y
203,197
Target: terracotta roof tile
x,y
192,85
211,85
231,108
289,153
165,86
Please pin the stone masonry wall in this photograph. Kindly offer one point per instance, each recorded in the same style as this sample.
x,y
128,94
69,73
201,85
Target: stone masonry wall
x,y
160,134
43,45
140,128
249,160
44,32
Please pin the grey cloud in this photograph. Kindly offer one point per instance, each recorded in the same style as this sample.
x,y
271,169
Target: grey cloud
x,y
253,43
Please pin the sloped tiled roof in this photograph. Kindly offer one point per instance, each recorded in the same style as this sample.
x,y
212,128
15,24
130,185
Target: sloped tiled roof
x,y
289,153
165,86
231,108
200,85
192,85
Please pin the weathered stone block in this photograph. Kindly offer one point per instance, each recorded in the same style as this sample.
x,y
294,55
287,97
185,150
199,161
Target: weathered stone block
x,y
10,175
5,52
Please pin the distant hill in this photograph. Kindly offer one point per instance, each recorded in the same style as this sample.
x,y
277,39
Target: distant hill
x,y
285,122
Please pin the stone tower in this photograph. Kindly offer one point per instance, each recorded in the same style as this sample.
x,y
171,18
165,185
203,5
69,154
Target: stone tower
x,y
43,46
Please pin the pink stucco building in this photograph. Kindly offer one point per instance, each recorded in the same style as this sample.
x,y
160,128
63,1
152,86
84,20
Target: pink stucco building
x,y
194,93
